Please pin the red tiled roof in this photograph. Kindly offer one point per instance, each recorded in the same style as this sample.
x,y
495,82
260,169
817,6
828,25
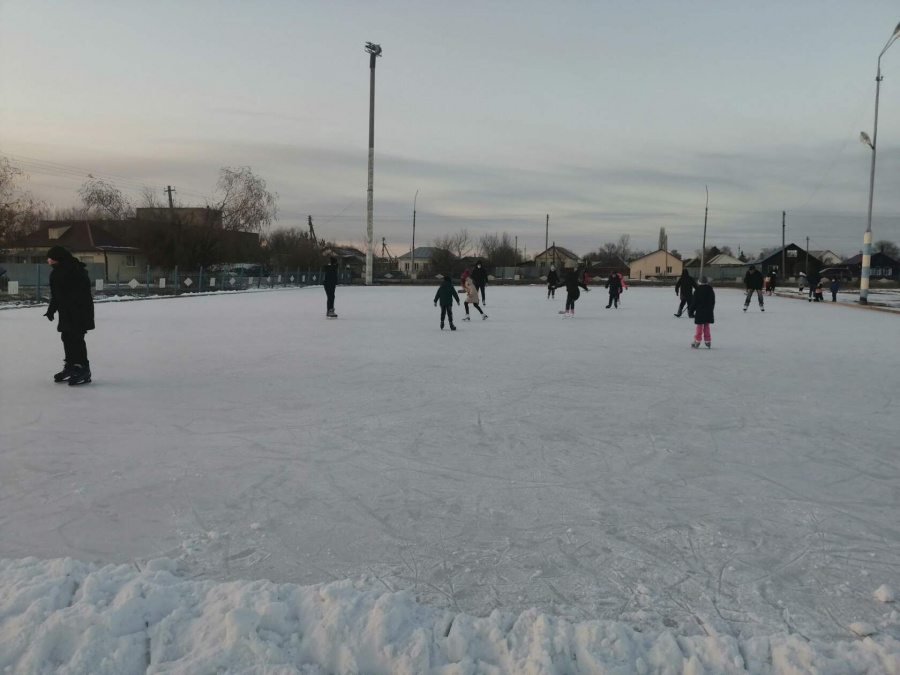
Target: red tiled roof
x,y
81,235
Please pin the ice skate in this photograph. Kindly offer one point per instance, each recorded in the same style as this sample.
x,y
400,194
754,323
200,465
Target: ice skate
x,y
81,376
442,325
483,317
467,318
67,372
678,314
452,327
696,344
331,314
709,345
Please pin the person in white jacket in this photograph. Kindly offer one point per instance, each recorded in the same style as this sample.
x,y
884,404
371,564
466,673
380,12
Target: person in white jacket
x,y
472,299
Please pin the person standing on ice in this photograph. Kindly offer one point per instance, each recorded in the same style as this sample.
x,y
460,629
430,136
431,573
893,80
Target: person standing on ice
x,y
773,282
753,281
446,294
835,287
70,297
703,304
479,277
614,284
552,282
572,293
684,289
329,281
471,299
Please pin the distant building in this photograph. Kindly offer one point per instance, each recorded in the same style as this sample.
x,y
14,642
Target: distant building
x,y
556,255
882,266
87,240
659,264
421,264
796,260
190,215
827,257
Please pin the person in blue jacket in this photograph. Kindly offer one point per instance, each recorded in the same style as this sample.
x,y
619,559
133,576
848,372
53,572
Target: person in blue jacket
x,y
835,287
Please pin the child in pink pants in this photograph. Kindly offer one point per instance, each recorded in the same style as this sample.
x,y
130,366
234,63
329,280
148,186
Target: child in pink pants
x,y
703,303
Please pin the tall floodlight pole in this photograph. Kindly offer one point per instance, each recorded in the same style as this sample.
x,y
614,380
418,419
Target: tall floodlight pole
x,y
412,269
871,142
703,249
374,52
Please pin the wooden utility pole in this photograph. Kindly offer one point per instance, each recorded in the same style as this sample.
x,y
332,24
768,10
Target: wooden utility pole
x,y
170,191
547,233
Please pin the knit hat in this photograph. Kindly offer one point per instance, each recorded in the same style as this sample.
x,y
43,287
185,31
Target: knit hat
x,y
704,280
58,253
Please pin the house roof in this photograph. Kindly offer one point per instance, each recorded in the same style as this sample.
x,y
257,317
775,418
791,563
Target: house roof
x,y
724,259
659,250
820,254
75,235
422,252
857,259
566,252
775,252
348,252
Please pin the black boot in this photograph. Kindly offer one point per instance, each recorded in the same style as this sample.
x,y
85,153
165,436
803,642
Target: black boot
x,y
82,375
68,371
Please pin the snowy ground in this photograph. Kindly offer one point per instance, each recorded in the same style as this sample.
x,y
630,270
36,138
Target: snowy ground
x,y
596,468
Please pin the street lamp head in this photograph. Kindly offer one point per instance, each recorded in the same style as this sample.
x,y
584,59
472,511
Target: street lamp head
x,y
373,49
897,30
864,138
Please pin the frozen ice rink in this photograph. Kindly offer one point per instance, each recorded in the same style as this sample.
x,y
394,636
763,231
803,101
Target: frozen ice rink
x,y
595,468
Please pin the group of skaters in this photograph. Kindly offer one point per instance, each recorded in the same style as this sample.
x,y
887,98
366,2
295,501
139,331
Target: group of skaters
x,y
816,285
576,279
699,298
473,283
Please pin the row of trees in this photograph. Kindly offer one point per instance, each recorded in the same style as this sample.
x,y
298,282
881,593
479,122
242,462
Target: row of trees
x,y
451,251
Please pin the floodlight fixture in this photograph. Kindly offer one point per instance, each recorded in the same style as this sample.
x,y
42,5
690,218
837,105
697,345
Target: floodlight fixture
x,y
864,138
375,50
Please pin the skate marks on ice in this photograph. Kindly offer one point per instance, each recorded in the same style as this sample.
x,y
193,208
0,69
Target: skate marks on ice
x,y
603,476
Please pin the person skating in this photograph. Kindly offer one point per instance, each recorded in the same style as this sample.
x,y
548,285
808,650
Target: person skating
x,y
479,277
471,299
814,278
684,289
773,282
753,281
835,287
70,297
614,284
802,281
766,280
703,305
446,294
552,282
329,281
572,283
624,286
820,289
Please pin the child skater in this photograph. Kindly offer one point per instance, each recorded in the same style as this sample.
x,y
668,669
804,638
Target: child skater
x,y
446,294
552,282
573,281
472,299
818,293
703,303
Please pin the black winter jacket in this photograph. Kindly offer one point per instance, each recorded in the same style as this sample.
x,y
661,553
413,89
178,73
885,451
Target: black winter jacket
x,y
479,275
685,286
70,297
753,280
703,304
330,275
446,293
614,284
573,281
552,278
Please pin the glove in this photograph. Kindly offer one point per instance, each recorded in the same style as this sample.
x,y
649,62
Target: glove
x,y
49,316
435,304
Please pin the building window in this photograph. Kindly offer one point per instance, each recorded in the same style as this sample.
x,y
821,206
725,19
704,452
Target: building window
x,y
20,259
406,266
417,266
130,261
668,270
657,270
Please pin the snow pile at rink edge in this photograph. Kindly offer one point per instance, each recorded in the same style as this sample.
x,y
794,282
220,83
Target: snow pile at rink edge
x,y
67,616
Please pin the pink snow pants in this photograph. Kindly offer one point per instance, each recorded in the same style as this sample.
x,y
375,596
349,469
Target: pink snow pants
x,y
702,332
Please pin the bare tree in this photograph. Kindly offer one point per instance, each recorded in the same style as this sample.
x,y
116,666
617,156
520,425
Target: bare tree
x,y
488,245
102,199
889,248
460,243
623,248
246,204
20,212
151,199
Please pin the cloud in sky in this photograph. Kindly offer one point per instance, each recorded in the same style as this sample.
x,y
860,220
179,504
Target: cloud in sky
x,y
612,119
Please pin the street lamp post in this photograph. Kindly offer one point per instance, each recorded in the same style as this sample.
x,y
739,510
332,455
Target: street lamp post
x,y
703,248
872,143
374,52
412,269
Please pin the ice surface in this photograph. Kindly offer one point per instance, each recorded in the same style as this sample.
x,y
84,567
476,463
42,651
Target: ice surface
x,y
594,469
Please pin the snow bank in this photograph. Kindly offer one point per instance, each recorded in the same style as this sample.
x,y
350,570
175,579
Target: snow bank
x,y
67,616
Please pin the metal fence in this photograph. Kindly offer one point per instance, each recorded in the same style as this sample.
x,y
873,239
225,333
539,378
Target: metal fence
x,y
29,284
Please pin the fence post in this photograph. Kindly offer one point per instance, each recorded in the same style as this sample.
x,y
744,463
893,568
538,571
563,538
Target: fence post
x,y
177,281
241,282
117,282
201,278
147,280
38,282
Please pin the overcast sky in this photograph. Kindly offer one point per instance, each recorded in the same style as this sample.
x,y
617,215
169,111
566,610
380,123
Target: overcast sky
x,y
609,116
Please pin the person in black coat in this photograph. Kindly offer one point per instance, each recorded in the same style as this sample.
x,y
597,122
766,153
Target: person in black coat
x,y
552,282
703,304
70,297
614,284
329,281
773,282
753,281
814,279
446,294
684,289
573,281
479,278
